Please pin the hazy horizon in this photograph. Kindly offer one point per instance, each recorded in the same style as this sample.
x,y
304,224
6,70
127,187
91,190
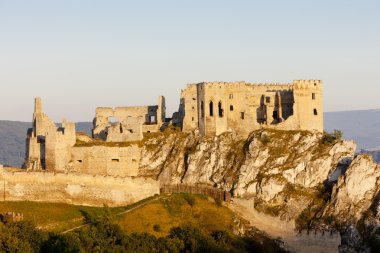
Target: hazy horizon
x,y
79,55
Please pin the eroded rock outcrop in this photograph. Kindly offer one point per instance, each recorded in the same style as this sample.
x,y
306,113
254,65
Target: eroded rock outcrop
x,y
261,165
357,189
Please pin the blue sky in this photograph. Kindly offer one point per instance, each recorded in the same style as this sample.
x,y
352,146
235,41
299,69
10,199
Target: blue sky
x,y
78,55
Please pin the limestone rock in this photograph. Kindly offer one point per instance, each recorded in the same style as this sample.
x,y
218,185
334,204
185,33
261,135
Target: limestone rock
x,y
260,165
357,189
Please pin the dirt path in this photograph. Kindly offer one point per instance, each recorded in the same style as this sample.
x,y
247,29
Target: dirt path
x,y
276,228
118,214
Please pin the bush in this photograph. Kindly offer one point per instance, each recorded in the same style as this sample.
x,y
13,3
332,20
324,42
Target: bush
x,y
157,227
190,199
328,138
218,202
20,237
265,139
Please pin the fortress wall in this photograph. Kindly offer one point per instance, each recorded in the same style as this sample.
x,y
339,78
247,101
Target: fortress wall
x,y
103,160
189,108
78,189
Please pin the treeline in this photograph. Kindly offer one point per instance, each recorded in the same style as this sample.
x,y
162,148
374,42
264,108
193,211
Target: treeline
x,y
102,235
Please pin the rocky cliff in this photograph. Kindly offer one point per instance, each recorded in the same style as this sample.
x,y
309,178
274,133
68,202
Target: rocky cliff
x,y
276,168
308,177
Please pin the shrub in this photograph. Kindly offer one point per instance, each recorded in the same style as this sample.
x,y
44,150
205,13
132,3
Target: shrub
x,y
189,199
218,202
330,138
265,139
157,227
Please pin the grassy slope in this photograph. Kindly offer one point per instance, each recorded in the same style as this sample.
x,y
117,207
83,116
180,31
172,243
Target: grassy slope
x,y
49,216
167,212
175,211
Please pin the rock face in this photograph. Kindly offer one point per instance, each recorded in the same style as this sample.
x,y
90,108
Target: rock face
x,y
263,165
355,203
357,190
282,171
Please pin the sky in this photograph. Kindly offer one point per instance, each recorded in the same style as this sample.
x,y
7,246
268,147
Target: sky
x,y
81,54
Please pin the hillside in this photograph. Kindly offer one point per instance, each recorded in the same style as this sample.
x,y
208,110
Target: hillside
x,y
360,126
180,222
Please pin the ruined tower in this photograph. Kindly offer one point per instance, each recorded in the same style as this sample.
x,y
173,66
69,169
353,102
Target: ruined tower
x,y
47,144
217,107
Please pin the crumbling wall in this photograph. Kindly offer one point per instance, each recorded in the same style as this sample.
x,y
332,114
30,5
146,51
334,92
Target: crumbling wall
x,y
130,122
78,189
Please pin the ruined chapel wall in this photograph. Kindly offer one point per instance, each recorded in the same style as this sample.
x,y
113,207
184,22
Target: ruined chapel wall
x,y
78,189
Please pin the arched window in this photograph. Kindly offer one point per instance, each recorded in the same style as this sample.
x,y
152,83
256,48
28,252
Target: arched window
x,y
211,109
220,109
202,110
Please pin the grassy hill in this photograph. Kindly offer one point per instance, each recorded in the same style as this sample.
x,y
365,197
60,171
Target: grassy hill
x,y
157,215
165,219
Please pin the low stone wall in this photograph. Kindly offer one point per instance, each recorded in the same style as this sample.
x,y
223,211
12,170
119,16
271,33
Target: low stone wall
x,y
196,189
77,189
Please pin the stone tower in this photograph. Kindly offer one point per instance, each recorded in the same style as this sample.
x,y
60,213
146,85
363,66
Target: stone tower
x,y
308,104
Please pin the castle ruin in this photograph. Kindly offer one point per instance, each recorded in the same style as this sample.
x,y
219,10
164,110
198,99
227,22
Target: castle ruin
x,y
217,107
207,108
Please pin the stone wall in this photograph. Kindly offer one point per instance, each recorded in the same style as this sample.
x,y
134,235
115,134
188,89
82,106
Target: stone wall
x,y
188,110
212,192
103,160
78,189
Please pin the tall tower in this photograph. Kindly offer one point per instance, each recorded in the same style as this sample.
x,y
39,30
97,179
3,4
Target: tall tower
x,y
161,111
308,107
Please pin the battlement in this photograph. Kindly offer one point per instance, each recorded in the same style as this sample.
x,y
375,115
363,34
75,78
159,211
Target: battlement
x,y
308,84
297,84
